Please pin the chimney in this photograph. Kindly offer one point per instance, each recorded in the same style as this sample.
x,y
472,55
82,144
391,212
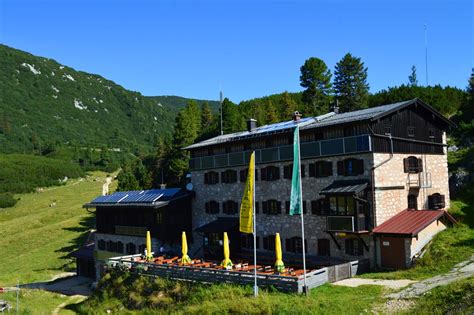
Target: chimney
x,y
335,107
296,116
162,186
251,124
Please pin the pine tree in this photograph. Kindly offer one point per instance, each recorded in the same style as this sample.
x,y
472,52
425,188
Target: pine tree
x,y
231,118
350,83
316,78
413,81
206,117
272,115
287,106
126,180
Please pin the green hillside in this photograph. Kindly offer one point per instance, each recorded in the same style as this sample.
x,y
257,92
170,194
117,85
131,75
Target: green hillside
x,y
42,102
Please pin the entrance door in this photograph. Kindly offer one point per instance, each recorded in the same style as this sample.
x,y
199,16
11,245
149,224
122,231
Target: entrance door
x,y
324,248
392,251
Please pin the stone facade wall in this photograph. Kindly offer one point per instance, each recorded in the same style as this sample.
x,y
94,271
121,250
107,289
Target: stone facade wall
x,y
392,188
288,226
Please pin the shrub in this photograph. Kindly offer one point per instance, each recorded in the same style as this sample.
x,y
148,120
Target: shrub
x,y
7,201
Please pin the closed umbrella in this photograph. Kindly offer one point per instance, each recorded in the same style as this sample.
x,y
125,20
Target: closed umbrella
x,y
227,263
184,250
279,265
149,256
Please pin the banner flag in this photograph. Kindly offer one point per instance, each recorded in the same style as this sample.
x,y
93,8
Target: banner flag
x,y
295,198
247,204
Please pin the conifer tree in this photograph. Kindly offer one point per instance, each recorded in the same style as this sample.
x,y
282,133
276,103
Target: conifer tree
x,y
272,115
126,180
316,78
287,106
350,83
206,117
232,120
413,81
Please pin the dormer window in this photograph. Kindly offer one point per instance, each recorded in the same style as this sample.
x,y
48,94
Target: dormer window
x,y
411,131
387,130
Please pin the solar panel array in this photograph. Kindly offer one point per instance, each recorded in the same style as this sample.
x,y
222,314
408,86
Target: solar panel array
x,y
139,196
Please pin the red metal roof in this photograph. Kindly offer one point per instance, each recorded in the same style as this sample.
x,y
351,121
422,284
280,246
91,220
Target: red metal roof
x,y
411,222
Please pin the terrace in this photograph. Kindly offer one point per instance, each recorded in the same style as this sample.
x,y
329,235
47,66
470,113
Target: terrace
x,y
291,280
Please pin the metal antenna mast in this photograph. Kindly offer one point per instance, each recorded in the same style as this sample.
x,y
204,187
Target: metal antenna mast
x,y
426,53
222,130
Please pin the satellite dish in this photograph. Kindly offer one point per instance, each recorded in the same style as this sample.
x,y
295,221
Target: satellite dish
x,y
189,186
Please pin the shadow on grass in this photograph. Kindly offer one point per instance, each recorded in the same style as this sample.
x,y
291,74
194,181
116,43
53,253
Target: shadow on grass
x,y
84,228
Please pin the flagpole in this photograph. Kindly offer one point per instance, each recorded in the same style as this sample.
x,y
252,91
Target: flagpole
x,y
255,287
305,288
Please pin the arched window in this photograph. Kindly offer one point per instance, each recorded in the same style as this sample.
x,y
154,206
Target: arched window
x,y
350,167
229,176
110,246
230,207
212,207
211,178
412,165
119,247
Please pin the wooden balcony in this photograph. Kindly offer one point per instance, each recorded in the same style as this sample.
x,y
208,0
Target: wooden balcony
x,y
347,223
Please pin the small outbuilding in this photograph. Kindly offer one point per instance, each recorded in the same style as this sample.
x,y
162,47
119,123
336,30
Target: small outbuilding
x,y
401,238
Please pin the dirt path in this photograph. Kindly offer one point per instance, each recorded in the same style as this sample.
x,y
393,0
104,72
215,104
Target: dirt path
x,y
392,284
72,300
461,271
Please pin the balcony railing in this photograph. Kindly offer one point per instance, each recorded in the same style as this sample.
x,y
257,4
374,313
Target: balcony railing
x,y
347,223
338,146
130,230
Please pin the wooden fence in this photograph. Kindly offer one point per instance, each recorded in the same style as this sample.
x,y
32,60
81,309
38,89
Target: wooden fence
x,y
314,278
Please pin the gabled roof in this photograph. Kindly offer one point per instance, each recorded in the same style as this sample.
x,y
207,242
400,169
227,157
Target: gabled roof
x,y
410,222
145,198
345,187
329,119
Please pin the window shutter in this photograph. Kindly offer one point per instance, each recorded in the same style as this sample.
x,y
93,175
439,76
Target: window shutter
x,y
263,173
287,207
286,172
223,177
304,207
277,172
264,207
256,175
312,170
328,168
289,245
265,242
405,165
257,240
340,168
314,207
278,207
224,207
359,166
442,203
242,176
257,207
420,165
206,178
207,207
305,246
303,171
430,202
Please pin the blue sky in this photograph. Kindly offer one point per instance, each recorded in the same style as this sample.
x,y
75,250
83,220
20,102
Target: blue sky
x,y
250,48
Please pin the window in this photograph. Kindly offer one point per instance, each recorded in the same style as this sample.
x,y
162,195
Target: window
x,y
320,169
287,207
411,131
387,130
159,217
212,207
354,247
211,239
350,167
270,173
412,202
412,165
319,207
257,207
119,247
141,248
342,205
287,171
295,245
243,175
269,242
101,245
211,178
271,207
131,249
436,202
229,177
431,133
247,241
111,246
230,207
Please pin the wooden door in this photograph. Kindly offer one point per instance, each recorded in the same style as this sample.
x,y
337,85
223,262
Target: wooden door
x,y
324,248
392,251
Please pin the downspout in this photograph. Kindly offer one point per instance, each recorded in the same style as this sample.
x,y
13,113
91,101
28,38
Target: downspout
x,y
373,186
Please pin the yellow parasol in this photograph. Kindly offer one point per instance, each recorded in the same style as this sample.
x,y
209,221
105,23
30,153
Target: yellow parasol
x,y
149,256
279,265
227,263
184,249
